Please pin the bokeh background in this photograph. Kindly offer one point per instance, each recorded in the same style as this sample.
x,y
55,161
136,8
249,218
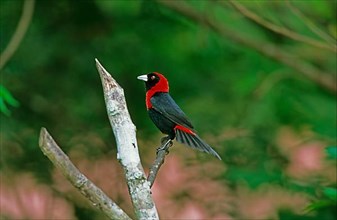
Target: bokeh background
x,y
257,79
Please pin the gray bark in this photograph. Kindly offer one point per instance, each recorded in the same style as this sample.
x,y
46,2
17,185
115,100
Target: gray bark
x,y
77,179
127,147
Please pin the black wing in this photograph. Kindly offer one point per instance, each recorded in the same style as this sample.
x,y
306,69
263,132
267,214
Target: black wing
x,y
163,103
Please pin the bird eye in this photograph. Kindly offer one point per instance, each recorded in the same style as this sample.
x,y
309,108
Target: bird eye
x,y
153,77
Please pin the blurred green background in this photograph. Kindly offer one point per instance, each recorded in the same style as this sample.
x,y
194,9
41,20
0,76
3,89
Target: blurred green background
x,y
256,78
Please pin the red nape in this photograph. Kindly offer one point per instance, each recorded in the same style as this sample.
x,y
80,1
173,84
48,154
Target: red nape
x,y
161,86
184,129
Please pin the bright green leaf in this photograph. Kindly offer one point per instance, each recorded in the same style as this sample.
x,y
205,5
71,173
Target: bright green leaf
x,y
331,152
330,192
7,97
319,205
3,107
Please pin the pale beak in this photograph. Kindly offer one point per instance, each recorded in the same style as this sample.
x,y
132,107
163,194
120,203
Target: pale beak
x,y
142,77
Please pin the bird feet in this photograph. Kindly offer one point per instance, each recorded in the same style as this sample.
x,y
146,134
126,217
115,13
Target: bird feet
x,y
166,143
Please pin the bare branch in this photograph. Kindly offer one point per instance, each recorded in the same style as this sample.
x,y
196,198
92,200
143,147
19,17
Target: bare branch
x,y
127,148
77,179
324,80
281,30
310,24
21,29
162,151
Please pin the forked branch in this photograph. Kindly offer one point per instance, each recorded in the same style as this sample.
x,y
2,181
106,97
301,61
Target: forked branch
x,y
127,148
77,179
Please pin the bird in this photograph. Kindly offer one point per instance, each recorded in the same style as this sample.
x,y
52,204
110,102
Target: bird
x,y
168,116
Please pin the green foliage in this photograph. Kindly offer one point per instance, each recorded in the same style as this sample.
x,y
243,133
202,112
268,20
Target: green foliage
x,y
321,205
331,193
6,99
328,198
331,151
224,86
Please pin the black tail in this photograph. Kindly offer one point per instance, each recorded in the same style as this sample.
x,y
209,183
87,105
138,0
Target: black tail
x,y
194,141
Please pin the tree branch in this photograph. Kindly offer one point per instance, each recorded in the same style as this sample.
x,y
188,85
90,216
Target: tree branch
x,y
324,80
21,29
280,30
127,148
310,24
77,179
162,151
